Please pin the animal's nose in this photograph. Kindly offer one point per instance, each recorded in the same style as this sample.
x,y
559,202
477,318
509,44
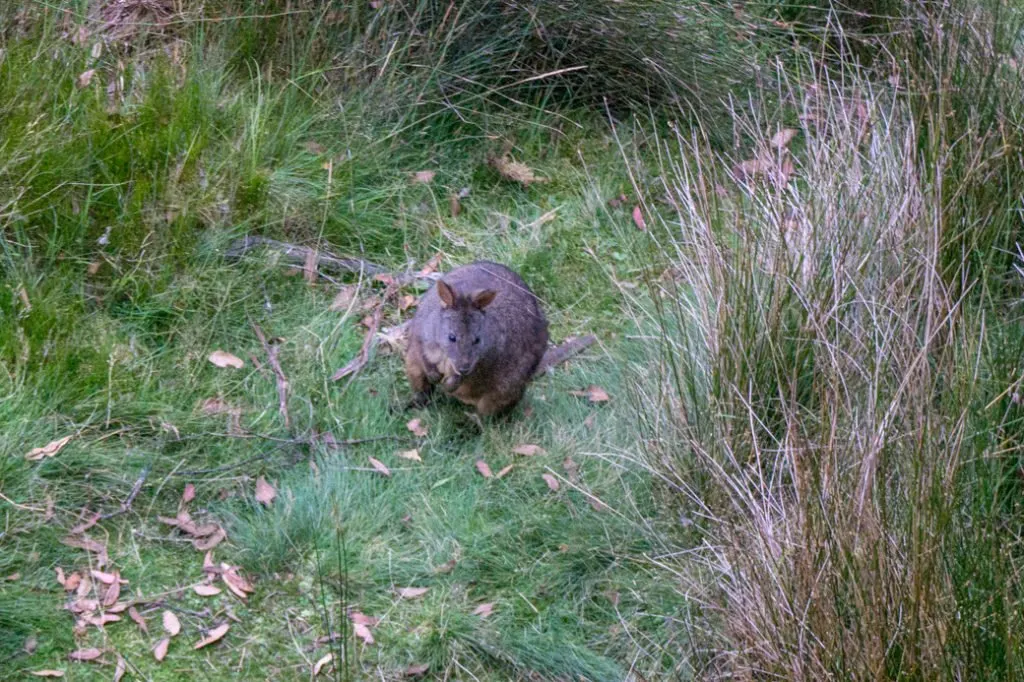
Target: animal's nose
x,y
463,369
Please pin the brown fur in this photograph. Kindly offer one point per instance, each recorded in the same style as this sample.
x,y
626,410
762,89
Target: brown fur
x,y
500,335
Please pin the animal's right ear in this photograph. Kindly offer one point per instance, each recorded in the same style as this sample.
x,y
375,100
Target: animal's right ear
x,y
446,294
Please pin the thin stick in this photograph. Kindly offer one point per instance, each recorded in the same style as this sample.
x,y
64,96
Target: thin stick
x,y
127,504
282,380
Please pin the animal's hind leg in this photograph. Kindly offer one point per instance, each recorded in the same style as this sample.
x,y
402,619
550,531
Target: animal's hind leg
x,y
418,380
497,405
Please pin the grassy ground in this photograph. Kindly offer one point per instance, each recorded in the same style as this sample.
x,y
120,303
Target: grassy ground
x,y
809,465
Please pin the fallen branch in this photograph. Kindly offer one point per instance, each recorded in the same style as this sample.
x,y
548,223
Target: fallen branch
x,y
356,364
127,504
282,380
313,259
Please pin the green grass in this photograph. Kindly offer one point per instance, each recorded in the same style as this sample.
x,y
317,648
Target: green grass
x,y
815,413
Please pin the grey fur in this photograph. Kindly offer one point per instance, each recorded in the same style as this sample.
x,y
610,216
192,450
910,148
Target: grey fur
x,y
500,335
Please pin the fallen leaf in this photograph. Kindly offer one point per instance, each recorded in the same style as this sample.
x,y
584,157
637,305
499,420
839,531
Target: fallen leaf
x,y
85,78
551,481
171,623
160,650
379,466
104,577
752,167
362,632
484,610
319,665
139,620
412,592
418,428
85,525
12,577
102,619
206,590
615,202
208,565
48,450
638,219
213,635
781,139
416,670
84,586
118,607
432,265
189,494
93,267
484,470
360,618
89,545
120,668
265,492
589,421
309,268
594,394
503,472
454,205
224,359
414,455
423,177
407,301
86,654
571,469
236,583
47,673
314,148
112,593
343,299
528,450
30,645
208,543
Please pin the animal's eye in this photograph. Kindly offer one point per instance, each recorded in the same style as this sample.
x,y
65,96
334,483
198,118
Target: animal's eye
x,y
476,340
451,337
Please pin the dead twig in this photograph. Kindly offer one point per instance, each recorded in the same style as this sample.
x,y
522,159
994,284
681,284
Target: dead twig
x,y
357,363
127,504
282,381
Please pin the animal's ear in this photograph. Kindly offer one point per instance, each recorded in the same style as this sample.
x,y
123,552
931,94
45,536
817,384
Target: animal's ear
x,y
482,299
446,293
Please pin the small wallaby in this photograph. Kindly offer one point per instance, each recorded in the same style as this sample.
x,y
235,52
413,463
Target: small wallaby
x,y
480,333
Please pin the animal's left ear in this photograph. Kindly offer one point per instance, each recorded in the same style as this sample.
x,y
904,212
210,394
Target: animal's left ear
x,y
482,299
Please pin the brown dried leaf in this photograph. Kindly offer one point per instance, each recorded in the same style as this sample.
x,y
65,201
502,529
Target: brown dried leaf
x,y
206,590
48,450
112,593
84,586
319,665
781,139
484,610
120,668
118,607
208,565
30,645
446,567
551,481
638,219
413,455
89,522
189,493
594,394
528,450
571,469
90,654
102,619
454,205
432,265
104,577
416,670
362,619
484,470
751,168
504,472
418,428
139,620
344,298
213,635
309,267
224,359
160,650
362,632
412,592
407,301
423,177
379,466
47,673
265,492
207,543
314,148
171,623
85,78
82,542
